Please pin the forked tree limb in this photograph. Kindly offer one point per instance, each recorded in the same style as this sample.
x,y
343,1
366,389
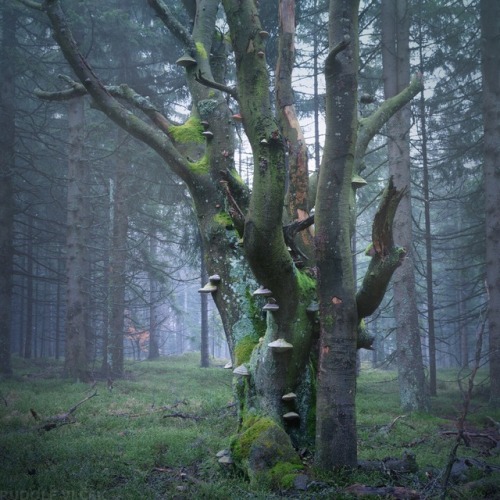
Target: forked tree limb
x,y
386,257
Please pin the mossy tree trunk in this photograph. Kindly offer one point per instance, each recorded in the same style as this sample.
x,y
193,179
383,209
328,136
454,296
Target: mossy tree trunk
x,y
224,206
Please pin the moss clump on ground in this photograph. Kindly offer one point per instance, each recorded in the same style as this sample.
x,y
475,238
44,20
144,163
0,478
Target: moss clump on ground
x,y
244,347
283,475
251,430
262,450
191,131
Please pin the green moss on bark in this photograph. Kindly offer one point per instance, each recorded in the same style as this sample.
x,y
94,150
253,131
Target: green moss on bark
x,y
202,166
264,451
191,131
244,347
224,219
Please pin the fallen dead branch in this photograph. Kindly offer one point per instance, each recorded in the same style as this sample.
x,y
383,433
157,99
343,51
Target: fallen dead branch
x,y
61,419
183,415
393,492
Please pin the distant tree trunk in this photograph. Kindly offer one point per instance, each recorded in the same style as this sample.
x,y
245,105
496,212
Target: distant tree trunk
x,y
490,26
154,319
28,335
429,280
8,60
204,347
76,349
396,68
117,263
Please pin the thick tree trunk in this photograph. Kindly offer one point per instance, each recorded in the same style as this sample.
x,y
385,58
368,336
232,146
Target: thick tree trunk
x,y
336,442
490,29
395,38
7,159
76,352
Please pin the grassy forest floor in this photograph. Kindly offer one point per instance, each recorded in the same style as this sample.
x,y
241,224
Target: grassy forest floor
x,y
155,434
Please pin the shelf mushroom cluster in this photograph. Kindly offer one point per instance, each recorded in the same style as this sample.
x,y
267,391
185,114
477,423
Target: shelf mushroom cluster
x,y
211,286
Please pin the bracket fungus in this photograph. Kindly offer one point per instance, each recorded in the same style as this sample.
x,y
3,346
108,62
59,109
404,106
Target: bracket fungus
x,y
262,292
208,134
186,61
358,181
208,288
271,305
224,457
228,365
313,307
280,345
215,278
291,416
289,396
241,371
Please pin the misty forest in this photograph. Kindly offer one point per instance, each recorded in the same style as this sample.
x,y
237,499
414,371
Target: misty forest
x,y
250,249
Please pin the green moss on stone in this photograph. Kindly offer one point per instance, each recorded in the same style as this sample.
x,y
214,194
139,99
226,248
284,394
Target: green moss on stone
x,y
188,132
253,428
307,285
283,475
244,347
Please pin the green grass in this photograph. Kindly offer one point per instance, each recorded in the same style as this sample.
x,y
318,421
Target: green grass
x,y
123,445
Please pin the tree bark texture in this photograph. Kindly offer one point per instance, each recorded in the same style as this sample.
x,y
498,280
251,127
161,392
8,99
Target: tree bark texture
x,y
7,160
76,351
396,69
336,441
490,50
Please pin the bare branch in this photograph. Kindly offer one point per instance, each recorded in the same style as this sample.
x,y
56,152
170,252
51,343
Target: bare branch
x,y
372,124
337,50
104,99
177,28
214,85
122,91
31,4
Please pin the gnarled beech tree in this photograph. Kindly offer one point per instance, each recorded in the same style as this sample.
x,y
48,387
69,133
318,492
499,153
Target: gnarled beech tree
x,y
318,365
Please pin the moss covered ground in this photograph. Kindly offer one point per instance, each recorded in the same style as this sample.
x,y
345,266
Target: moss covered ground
x,y
155,434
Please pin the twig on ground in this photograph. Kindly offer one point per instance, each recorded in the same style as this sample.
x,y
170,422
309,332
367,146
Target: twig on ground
x,y
63,418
